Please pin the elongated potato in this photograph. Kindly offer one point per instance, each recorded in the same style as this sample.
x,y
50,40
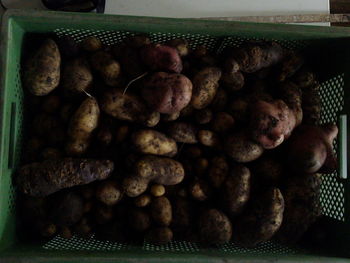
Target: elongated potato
x,y
183,132
76,77
218,171
252,229
205,86
154,142
241,149
161,211
42,69
83,123
128,107
235,190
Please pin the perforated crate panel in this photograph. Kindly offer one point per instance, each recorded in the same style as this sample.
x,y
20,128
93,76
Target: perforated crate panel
x,y
332,192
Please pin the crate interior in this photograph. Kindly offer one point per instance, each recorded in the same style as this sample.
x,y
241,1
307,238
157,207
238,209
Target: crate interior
x,y
333,197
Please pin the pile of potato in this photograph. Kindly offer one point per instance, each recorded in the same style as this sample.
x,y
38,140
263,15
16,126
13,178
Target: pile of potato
x,y
159,142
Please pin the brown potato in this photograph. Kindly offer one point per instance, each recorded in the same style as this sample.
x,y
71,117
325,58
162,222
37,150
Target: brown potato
x,y
235,191
170,117
200,190
241,149
137,41
209,138
153,142
107,67
82,124
180,44
41,73
203,116
76,76
218,171
91,44
109,193
161,211
134,185
104,135
222,122
157,190
183,132
232,81
214,227
139,220
127,107
220,100
182,212
268,169
167,92
142,200
159,235
253,230
205,86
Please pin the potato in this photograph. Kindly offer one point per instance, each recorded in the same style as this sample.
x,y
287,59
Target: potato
x,y
218,171
160,170
203,116
107,67
214,227
137,41
157,190
109,193
187,111
83,228
200,190
193,151
76,76
268,169
66,208
180,44
142,200
159,57
82,124
91,44
232,81
139,220
121,133
209,138
302,206
103,214
252,230
222,122
182,213
51,153
41,73
153,142
220,100
51,103
104,135
241,149
134,185
159,235
65,232
183,132
230,65
235,190
200,51
167,92
170,117
200,166
127,107
205,86
161,211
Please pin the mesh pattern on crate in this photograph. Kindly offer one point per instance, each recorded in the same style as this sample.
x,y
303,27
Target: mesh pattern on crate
x,y
332,191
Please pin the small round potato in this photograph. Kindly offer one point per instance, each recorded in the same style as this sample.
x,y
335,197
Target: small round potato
x,y
91,44
200,190
142,200
135,185
209,138
109,193
180,44
157,190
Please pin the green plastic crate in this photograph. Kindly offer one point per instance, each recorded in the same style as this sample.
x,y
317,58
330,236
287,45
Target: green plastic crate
x,y
328,49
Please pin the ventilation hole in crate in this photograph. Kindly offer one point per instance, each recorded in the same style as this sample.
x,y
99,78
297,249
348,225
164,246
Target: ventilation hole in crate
x,y
77,243
332,191
172,246
264,248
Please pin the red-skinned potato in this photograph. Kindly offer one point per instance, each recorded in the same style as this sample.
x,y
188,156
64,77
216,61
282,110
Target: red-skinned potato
x,y
167,92
161,57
